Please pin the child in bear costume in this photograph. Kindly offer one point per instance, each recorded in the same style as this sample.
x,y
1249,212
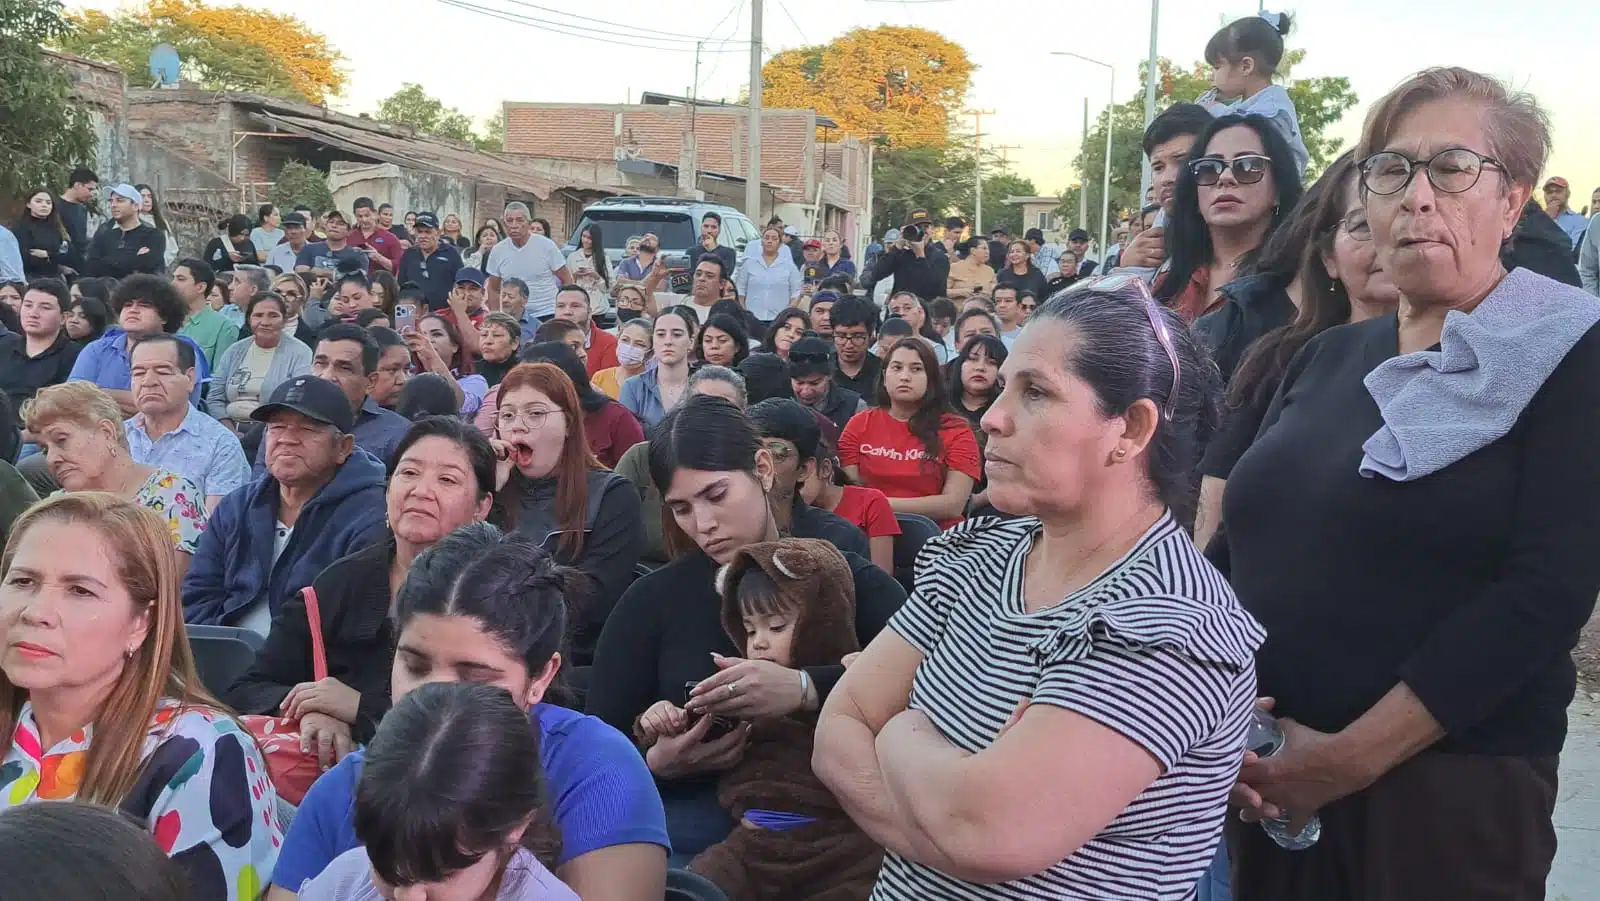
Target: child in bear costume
x,y
791,602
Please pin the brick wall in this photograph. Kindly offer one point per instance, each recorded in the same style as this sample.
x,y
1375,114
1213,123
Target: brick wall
x,y
102,90
655,132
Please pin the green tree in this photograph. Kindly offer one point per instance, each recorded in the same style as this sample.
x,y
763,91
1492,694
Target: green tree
x,y
300,184
941,179
43,132
411,105
1319,103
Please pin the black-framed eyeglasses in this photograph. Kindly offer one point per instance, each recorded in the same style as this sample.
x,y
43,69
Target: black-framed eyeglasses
x,y
1452,171
847,338
1117,284
1247,169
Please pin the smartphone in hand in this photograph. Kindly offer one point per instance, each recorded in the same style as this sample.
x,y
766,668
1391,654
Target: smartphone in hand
x,y
405,321
720,725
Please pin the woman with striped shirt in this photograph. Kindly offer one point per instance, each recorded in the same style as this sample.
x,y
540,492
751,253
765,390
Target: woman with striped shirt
x,y
1079,678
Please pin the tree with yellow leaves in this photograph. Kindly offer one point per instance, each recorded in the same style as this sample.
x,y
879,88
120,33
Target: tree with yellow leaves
x,y
224,48
891,82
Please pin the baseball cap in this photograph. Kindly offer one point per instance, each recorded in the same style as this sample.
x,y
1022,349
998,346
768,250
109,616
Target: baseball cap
x,y
311,397
1036,235
810,356
917,216
1558,181
891,236
791,231
427,220
1078,234
813,242
470,276
128,192
298,219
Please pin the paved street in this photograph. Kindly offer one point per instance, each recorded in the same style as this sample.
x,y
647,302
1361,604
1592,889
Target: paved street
x,y
1576,875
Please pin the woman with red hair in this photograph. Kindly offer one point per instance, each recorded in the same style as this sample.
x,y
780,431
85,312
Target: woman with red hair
x,y
550,487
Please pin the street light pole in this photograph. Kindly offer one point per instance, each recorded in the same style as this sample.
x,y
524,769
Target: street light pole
x,y
1111,115
1151,74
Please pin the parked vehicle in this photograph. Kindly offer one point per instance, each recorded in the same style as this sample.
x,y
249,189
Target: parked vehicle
x,y
674,220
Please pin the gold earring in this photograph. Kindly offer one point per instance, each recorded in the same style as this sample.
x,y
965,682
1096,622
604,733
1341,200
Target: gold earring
x,y
1120,453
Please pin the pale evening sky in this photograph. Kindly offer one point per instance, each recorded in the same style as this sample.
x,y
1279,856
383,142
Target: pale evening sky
x,y
474,62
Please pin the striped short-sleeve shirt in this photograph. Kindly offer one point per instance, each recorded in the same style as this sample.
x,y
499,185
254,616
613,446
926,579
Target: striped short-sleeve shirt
x,y
1156,648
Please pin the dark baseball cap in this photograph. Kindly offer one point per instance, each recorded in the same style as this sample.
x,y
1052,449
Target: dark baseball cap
x,y
808,356
470,276
1078,234
295,219
1034,234
311,397
427,220
918,216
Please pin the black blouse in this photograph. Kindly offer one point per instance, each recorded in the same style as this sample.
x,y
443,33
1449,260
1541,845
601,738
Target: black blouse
x,y
1469,585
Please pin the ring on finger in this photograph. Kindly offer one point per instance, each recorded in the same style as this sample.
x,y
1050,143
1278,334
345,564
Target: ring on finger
x,y
733,689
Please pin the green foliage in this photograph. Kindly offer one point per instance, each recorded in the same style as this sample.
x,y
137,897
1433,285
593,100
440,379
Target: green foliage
x,y
412,106
1319,102
941,178
299,184
494,134
43,132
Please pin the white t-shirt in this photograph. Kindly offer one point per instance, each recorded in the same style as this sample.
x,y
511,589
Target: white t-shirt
x,y
536,263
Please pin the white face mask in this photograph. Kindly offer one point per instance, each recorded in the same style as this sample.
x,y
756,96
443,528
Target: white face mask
x,y
630,355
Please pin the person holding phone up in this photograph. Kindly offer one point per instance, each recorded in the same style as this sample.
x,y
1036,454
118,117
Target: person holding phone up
x,y
645,269
916,261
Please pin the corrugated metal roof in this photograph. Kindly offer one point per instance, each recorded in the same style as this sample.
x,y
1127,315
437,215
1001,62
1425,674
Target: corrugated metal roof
x,y
428,154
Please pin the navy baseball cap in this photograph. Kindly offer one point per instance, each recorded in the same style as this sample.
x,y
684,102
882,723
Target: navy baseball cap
x,y
470,276
313,398
427,220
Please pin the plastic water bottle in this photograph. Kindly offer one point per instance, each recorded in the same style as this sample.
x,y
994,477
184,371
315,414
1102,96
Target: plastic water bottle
x,y
1265,738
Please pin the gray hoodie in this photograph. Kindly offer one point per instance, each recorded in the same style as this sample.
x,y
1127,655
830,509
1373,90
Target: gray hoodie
x,y
349,878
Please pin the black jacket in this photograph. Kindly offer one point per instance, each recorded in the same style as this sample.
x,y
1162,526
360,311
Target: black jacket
x,y
36,234
1251,307
927,277
1538,244
840,404
353,597
115,251
21,376
612,542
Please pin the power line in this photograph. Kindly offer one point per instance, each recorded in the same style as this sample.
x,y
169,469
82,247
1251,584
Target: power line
x,y
652,33
790,16
716,61
592,34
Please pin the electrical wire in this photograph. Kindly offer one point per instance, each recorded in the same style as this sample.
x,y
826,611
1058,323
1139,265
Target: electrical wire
x,y
591,34
716,61
651,33
790,16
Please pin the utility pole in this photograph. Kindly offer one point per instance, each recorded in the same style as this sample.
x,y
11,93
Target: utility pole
x,y
1151,74
977,165
1005,155
752,169
1083,194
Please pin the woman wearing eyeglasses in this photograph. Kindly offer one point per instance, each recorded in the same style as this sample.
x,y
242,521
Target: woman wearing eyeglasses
x,y
1414,527
1227,202
1057,710
549,486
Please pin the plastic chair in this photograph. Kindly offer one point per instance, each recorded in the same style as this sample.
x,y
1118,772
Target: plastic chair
x,y
222,654
683,885
915,530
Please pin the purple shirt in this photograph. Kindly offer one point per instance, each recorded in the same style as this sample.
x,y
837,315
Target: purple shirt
x,y
349,878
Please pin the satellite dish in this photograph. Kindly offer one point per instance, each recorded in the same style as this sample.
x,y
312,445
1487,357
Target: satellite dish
x,y
164,65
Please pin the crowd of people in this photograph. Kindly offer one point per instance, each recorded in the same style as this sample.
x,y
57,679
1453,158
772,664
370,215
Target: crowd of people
x,y
962,572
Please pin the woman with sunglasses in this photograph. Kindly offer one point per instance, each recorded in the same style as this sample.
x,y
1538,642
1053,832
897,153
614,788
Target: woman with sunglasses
x,y
1228,200
1336,278
1083,678
1421,597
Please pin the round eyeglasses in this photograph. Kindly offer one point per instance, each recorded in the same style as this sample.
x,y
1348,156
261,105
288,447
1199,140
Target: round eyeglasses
x,y
1452,171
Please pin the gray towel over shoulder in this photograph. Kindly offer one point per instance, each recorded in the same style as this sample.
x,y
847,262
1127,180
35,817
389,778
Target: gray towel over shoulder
x,y
1440,405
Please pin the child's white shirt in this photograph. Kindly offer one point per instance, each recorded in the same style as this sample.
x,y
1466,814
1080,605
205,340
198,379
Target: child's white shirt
x,y
1274,104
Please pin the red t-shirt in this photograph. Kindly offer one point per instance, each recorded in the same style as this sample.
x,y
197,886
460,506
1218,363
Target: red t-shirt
x,y
602,351
869,510
890,458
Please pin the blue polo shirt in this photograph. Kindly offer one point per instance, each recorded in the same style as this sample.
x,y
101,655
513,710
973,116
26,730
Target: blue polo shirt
x,y
105,362
602,793
434,274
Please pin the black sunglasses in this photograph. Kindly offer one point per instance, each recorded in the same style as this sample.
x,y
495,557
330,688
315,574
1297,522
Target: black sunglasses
x,y
810,357
1247,169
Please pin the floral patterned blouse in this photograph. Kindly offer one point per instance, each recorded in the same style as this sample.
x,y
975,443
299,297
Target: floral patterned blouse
x,y
180,502
203,793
